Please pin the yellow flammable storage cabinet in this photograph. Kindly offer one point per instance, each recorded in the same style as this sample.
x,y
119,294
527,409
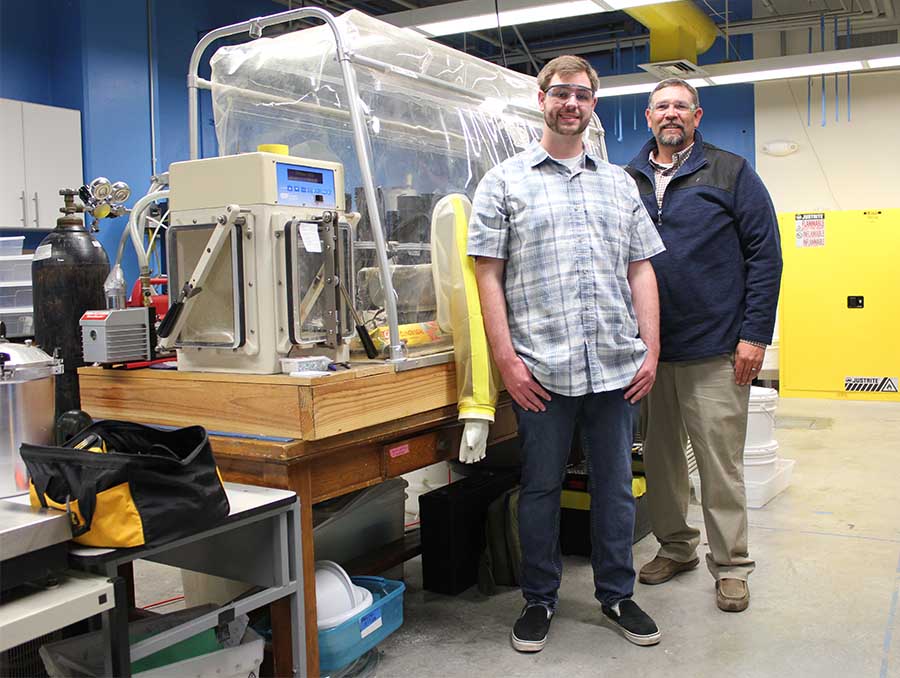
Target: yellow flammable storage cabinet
x,y
840,305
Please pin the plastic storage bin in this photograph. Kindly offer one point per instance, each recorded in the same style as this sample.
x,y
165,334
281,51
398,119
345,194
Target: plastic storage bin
x,y
19,322
83,655
15,295
349,526
11,246
16,269
340,645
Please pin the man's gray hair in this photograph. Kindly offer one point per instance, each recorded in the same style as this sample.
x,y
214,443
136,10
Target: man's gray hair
x,y
675,82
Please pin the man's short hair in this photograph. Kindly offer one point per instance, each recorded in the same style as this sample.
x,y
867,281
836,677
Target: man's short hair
x,y
675,82
567,64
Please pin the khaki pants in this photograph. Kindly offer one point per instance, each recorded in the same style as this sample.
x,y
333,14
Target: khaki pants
x,y
699,399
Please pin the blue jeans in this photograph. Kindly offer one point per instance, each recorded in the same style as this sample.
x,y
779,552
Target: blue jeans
x,y
606,421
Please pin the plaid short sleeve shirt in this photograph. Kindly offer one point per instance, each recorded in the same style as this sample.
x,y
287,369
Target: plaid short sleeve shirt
x,y
567,237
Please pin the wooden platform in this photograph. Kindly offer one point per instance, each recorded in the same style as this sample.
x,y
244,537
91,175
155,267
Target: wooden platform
x,y
299,408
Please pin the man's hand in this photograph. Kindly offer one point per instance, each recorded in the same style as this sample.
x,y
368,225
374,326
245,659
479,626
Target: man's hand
x,y
643,380
522,387
748,360
473,445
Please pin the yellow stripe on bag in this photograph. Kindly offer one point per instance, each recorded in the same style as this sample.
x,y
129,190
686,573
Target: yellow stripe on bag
x,y
481,364
116,523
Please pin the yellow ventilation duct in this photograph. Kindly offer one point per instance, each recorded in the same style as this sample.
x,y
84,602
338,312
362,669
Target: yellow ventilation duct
x,y
678,30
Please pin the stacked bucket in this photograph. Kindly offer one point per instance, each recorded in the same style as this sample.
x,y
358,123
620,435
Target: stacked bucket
x,y
765,473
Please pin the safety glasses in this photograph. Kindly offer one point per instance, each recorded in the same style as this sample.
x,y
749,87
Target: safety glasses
x,y
563,93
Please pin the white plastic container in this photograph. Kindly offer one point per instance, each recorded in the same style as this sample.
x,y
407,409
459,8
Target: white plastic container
x,y
761,416
761,454
761,493
16,269
83,655
11,246
347,527
15,295
19,321
759,471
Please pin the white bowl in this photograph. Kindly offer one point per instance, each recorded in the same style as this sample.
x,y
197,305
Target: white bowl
x,y
337,597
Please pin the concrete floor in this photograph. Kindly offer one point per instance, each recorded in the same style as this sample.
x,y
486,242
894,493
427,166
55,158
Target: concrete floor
x,y
824,595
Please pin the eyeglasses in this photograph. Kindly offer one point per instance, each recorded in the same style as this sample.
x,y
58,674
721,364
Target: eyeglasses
x,y
563,93
679,106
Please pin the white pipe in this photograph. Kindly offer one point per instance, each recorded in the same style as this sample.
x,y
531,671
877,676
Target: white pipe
x,y
134,219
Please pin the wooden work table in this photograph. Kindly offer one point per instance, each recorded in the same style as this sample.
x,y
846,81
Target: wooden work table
x,y
320,437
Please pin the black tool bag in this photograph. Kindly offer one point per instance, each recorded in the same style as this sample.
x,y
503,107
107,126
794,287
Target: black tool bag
x,y
127,485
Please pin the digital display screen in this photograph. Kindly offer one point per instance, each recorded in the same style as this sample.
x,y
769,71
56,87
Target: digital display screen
x,y
305,176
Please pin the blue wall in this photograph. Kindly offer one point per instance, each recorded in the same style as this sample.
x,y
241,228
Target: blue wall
x,y
92,55
727,110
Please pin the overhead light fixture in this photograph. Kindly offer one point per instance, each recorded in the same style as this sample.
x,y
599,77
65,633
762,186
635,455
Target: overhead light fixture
x,y
469,15
785,73
888,62
857,59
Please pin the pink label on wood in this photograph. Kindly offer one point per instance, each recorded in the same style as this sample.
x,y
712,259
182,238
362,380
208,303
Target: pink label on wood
x,y
398,451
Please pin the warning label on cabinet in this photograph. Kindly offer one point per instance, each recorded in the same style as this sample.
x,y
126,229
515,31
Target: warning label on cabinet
x,y
810,229
871,384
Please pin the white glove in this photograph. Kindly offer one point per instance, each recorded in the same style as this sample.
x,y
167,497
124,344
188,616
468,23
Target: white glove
x,y
474,440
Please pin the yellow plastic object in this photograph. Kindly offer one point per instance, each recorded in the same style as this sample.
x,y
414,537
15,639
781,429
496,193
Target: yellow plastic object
x,y
280,149
412,334
840,309
459,308
101,211
577,499
678,30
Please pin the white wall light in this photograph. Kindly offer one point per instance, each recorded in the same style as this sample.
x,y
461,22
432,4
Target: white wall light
x,y
780,148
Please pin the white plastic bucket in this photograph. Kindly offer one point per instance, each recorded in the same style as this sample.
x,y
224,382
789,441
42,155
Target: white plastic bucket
x,y
761,416
761,454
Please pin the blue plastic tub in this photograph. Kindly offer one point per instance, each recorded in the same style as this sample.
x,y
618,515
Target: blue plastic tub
x,y
345,642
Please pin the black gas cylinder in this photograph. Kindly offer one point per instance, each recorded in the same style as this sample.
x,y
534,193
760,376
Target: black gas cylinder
x,y
67,274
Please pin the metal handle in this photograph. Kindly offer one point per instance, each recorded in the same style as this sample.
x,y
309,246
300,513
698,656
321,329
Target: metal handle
x,y
24,209
37,210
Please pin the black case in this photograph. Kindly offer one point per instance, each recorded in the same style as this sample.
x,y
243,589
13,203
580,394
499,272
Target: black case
x,y
452,527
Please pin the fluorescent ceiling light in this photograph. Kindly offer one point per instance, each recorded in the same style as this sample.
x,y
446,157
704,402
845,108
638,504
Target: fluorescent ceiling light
x,y
783,73
513,17
761,70
887,62
642,88
466,16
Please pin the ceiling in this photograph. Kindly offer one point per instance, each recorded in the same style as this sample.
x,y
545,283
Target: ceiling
x,y
527,47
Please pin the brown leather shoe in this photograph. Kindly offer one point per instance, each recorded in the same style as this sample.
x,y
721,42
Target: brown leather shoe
x,y
732,595
662,569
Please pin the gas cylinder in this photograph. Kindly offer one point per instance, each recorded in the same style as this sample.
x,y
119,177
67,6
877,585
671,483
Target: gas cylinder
x,y
67,273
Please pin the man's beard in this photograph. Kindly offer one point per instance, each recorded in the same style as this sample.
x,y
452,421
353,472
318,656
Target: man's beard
x,y
671,137
553,123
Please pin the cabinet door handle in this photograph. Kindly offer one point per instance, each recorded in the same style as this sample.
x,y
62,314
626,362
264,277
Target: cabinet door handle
x,y
37,211
24,209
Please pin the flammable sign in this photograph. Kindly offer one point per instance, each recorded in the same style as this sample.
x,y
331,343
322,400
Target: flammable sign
x,y
810,229
871,384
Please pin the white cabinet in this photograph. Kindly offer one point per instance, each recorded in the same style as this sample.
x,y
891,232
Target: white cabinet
x,y
12,166
41,154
